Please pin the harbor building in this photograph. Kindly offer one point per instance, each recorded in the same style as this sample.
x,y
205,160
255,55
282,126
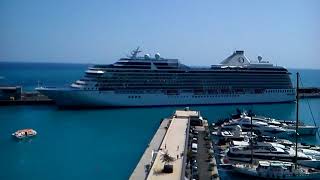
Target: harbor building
x,y
10,93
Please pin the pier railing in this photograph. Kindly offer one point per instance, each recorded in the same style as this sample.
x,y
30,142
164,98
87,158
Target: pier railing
x,y
183,171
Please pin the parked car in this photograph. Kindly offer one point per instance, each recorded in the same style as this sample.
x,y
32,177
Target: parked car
x,y
194,147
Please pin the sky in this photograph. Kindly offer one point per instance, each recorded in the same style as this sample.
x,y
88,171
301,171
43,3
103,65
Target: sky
x,y
198,32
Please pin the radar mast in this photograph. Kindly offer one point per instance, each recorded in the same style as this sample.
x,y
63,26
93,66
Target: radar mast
x,y
135,52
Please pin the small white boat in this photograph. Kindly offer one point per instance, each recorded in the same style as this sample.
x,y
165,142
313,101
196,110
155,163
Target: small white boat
x,y
235,133
24,133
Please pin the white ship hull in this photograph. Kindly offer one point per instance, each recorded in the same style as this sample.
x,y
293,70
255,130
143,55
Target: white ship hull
x,y
94,98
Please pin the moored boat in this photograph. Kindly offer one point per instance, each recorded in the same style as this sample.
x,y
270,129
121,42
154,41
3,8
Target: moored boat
x,y
282,170
277,170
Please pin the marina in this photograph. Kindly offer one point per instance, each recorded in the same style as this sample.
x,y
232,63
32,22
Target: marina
x,y
265,157
207,163
93,131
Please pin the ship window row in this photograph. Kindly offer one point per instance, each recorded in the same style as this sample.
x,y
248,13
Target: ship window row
x,y
169,71
205,96
199,85
90,88
145,77
134,77
173,81
195,96
182,68
133,63
207,82
134,97
186,73
192,74
280,91
223,95
146,63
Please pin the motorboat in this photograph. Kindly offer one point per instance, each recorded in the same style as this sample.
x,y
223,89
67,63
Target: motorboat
x,y
241,151
24,133
277,170
259,127
272,151
302,128
235,133
271,169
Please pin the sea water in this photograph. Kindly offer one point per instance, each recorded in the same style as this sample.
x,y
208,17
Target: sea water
x,y
102,143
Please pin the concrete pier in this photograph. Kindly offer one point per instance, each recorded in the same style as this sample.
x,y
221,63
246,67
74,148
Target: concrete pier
x,y
144,165
174,137
23,98
174,143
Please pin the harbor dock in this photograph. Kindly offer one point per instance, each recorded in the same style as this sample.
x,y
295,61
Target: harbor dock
x,y
13,95
182,138
309,92
141,170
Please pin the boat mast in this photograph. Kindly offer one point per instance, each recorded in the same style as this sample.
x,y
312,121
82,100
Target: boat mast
x,y
251,144
297,119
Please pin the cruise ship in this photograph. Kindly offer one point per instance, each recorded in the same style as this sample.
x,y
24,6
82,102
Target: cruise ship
x,y
157,81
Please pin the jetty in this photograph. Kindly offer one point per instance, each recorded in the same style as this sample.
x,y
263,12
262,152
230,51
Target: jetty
x,y
184,140
13,95
141,170
309,92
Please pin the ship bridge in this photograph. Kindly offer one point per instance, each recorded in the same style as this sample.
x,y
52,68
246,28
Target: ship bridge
x,y
143,62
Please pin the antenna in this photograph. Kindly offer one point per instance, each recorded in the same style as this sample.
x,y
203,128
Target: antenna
x,y
135,52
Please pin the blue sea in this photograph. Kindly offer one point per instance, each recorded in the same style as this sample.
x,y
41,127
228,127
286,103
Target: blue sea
x,y
103,143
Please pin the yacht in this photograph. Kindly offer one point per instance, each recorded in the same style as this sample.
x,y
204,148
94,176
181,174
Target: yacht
x,y
158,81
259,127
303,129
276,170
241,151
234,134
263,150
270,169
